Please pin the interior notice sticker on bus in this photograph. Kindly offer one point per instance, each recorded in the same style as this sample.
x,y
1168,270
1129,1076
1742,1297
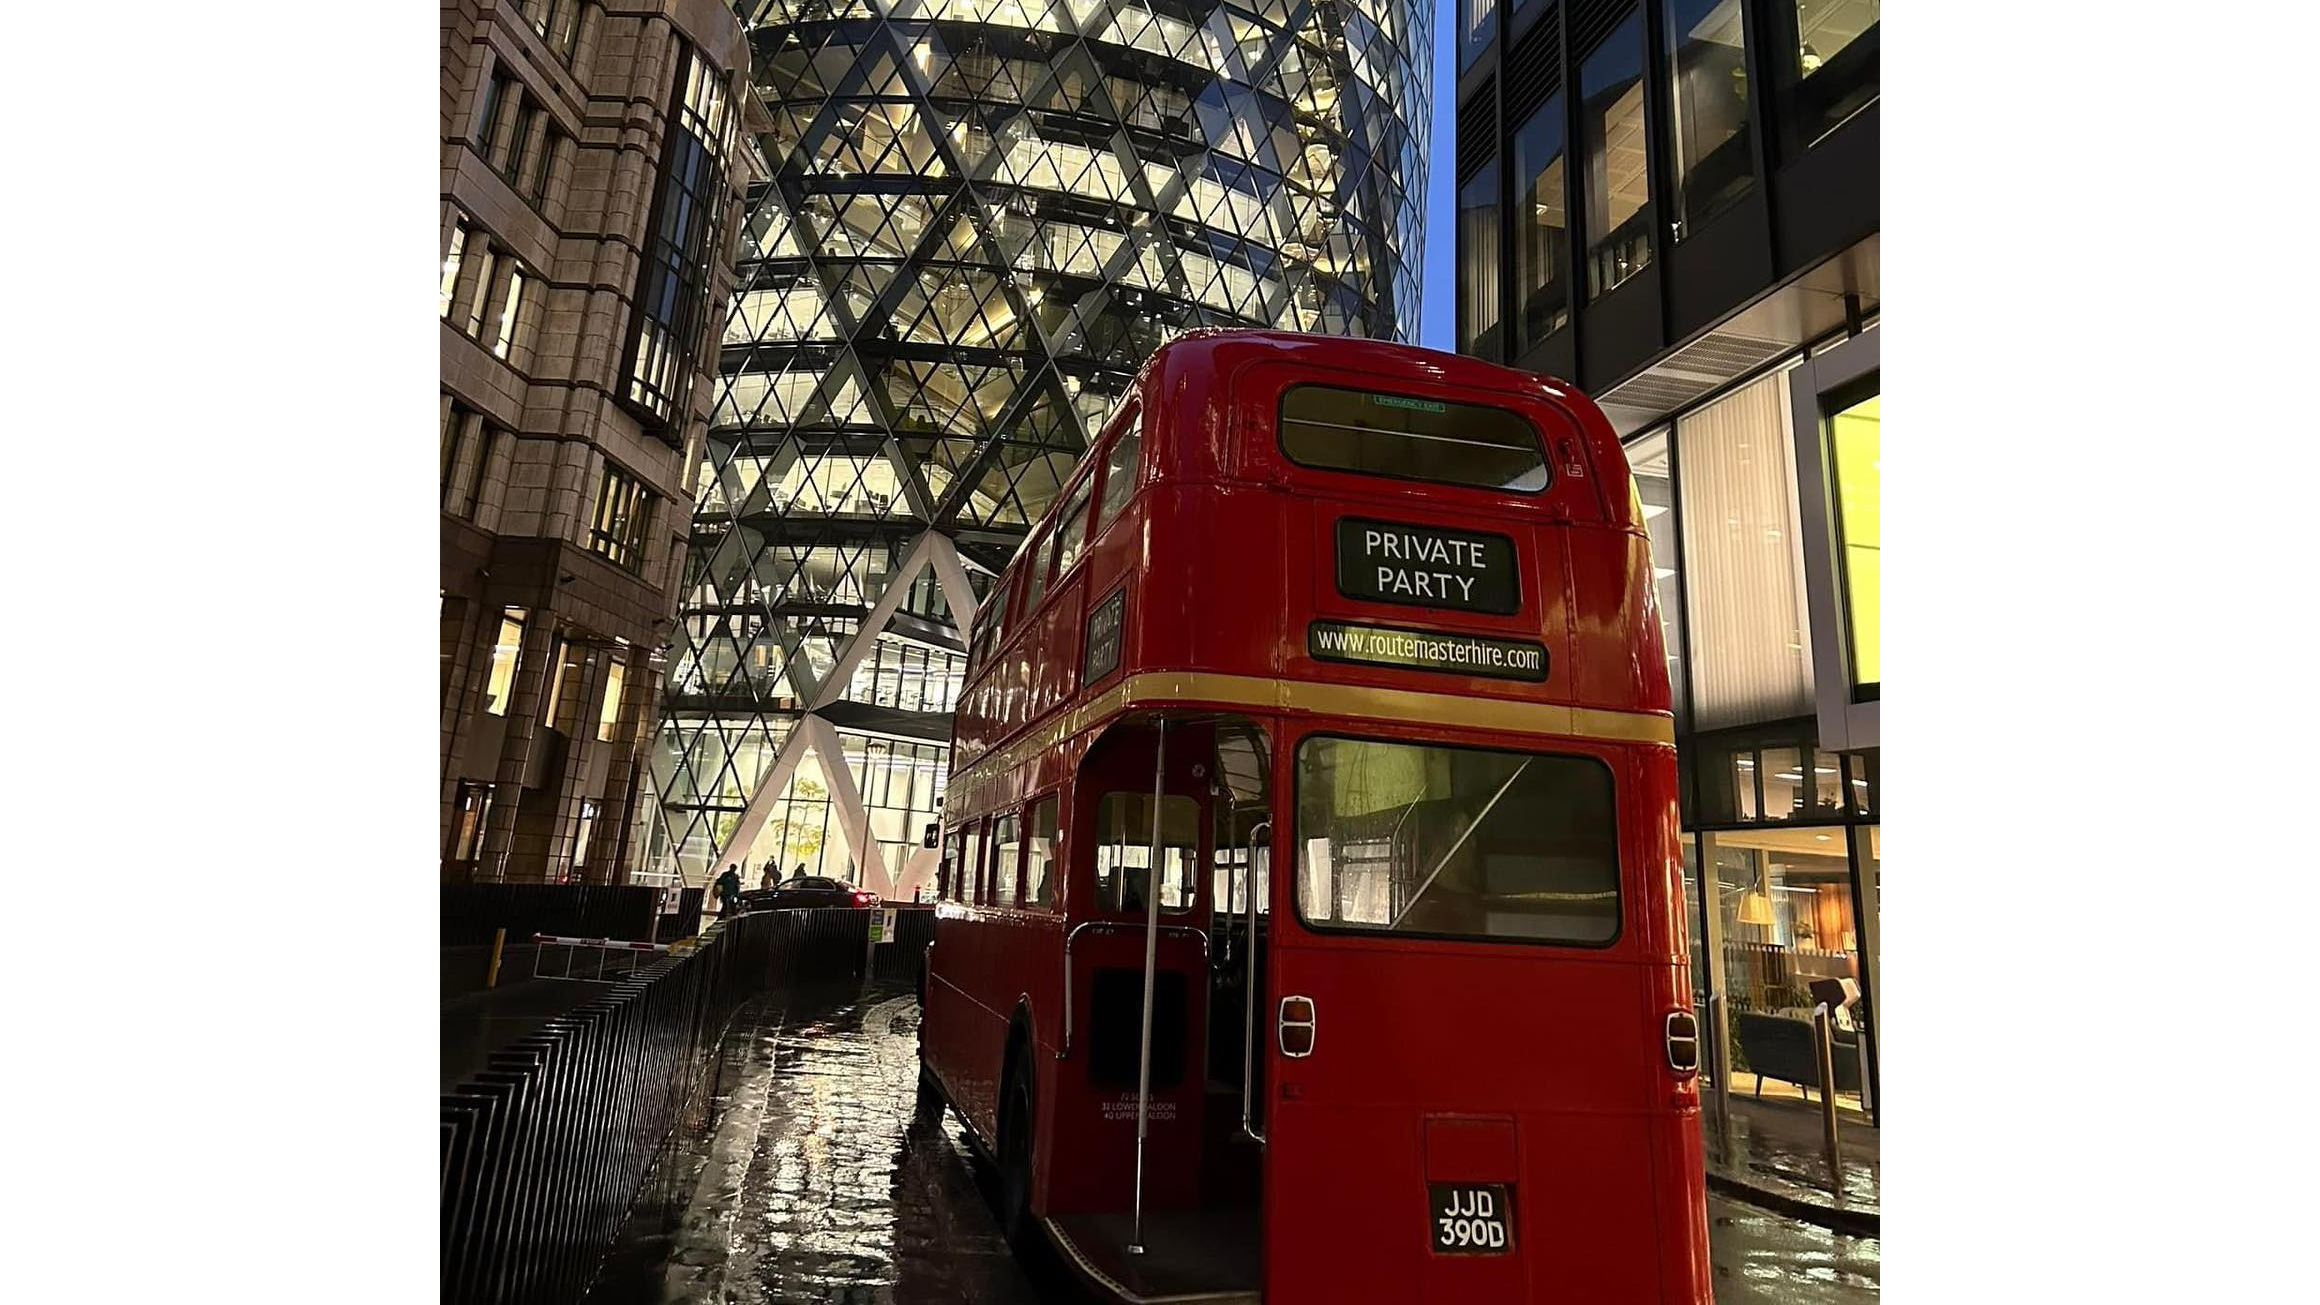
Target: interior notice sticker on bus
x,y
1427,650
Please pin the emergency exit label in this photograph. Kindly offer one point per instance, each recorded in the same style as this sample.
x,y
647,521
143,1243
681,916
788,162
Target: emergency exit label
x,y
1427,566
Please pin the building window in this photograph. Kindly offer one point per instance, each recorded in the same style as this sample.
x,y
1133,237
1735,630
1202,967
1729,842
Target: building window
x,y
467,447
1834,69
1743,559
901,786
1853,442
673,288
486,444
510,313
491,112
1708,70
1542,229
470,809
567,658
1477,26
622,512
608,715
501,684
481,265
451,256
1655,486
551,148
1479,263
530,134
1617,181
455,419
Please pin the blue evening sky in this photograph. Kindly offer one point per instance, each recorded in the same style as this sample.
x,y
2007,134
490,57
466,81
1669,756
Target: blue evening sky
x,y
1435,293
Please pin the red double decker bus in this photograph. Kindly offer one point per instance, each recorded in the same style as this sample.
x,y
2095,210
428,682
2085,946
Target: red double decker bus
x,y
1311,923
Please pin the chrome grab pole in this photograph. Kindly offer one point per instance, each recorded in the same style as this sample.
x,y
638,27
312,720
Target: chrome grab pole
x,y
1151,969
1263,833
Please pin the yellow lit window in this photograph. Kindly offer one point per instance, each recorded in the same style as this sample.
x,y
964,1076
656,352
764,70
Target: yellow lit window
x,y
1853,432
614,676
501,686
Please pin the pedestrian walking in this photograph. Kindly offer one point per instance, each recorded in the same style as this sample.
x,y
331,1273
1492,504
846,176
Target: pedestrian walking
x,y
729,892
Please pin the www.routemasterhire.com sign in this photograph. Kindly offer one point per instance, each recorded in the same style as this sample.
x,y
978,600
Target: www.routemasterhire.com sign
x,y
1427,650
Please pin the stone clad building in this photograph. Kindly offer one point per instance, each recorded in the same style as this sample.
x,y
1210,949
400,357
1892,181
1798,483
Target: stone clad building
x,y
590,184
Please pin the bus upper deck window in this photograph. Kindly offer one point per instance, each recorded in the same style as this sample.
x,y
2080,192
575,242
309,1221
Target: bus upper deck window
x,y
1120,466
1412,439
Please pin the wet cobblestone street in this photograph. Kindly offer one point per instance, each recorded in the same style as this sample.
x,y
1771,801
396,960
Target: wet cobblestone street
x,y
812,1183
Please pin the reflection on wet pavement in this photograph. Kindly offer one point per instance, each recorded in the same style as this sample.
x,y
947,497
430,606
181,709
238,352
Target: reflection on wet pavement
x,y
1765,1257
812,1183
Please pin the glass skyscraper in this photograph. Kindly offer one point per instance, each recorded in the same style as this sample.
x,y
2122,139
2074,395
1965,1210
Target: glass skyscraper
x,y
968,222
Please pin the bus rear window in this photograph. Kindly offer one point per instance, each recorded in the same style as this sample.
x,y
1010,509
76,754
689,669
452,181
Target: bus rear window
x,y
1456,842
1412,439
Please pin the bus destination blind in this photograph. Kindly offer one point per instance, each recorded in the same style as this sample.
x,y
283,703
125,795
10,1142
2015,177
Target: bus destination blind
x,y
1427,566
1427,650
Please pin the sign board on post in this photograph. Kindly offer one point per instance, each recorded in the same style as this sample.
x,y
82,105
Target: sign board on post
x,y
882,926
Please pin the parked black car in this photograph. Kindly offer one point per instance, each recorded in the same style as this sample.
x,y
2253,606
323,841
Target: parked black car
x,y
805,891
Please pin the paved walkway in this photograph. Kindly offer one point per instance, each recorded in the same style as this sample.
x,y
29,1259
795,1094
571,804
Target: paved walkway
x,y
812,1183
1776,1146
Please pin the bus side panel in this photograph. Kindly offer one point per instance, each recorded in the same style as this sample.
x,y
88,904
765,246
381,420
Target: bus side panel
x,y
972,1036
950,1018
1619,654
1236,537
1679,1172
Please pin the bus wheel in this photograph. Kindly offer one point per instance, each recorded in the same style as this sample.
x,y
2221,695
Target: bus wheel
x,y
1015,1124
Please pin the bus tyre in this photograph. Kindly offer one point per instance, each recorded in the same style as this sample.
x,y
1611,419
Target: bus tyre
x,y
1015,1123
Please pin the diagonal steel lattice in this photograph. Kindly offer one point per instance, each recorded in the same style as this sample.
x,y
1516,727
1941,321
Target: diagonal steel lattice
x,y
980,216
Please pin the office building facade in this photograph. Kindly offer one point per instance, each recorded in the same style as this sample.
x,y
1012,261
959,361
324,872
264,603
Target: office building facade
x,y
1674,203
978,218
589,203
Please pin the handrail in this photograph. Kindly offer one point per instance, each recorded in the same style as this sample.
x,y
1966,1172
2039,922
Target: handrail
x,y
1249,996
1083,926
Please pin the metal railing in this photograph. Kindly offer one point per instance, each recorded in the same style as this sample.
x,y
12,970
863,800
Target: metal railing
x,y
544,1151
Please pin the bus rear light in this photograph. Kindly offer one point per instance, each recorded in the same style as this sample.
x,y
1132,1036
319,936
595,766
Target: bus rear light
x,y
1296,1026
1683,1043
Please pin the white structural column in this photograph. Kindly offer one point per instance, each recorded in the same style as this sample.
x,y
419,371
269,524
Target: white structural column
x,y
814,732
841,676
846,801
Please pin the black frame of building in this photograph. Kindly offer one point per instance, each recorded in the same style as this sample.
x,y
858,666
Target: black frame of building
x,y
1809,201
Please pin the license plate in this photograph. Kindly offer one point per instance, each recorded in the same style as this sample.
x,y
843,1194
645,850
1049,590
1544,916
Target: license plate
x,y
1471,1218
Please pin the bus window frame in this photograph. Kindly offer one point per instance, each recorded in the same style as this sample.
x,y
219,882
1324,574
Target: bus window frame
x,y
1002,599
1619,835
999,820
978,855
1281,447
1131,418
1034,576
1054,562
1059,867
1099,908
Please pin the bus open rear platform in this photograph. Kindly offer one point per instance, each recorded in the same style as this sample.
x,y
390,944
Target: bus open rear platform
x,y
1208,1256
